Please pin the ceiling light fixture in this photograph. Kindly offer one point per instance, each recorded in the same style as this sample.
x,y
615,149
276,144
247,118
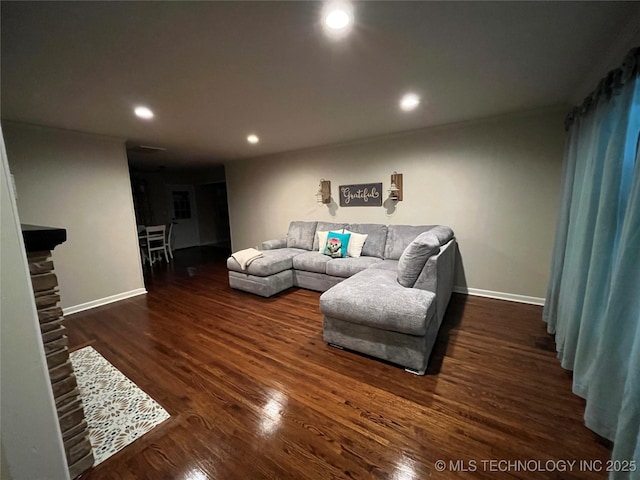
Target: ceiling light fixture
x,y
143,112
337,18
253,138
409,102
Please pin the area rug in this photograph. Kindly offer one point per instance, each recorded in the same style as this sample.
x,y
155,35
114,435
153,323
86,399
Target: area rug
x,y
117,411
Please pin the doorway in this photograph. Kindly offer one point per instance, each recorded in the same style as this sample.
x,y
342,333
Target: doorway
x,y
184,215
214,218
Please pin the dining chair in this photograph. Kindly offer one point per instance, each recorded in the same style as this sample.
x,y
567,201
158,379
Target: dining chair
x,y
143,254
156,241
169,239
142,244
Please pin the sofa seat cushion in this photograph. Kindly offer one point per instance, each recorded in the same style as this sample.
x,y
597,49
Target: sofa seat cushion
x,y
391,265
273,261
311,262
346,267
375,299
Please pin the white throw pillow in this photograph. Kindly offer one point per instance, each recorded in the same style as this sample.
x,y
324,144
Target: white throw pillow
x,y
322,240
356,242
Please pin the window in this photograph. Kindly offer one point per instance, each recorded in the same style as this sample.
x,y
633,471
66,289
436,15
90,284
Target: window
x,y
181,206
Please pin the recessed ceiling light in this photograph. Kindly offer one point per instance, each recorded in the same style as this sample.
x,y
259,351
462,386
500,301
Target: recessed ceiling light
x,y
337,18
143,112
253,138
409,102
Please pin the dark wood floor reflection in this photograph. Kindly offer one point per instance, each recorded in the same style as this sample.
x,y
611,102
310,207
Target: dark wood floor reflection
x,y
255,393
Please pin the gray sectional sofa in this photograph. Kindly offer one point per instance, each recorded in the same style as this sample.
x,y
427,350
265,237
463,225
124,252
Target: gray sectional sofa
x,y
387,303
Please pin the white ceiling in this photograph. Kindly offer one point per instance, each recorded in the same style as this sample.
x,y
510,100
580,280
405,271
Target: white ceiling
x,y
215,71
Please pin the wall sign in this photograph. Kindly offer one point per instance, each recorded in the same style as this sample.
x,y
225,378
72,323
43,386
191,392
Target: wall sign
x,y
361,195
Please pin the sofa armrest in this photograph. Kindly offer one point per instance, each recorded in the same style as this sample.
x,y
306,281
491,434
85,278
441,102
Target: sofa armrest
x,y
273,244
437,276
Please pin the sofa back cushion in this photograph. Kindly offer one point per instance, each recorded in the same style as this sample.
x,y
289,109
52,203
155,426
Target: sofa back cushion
x,y
376,238
399,237
325,227
442,233
301,235
415,256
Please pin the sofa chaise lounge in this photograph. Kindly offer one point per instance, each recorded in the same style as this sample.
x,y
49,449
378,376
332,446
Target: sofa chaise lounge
x,y
388,303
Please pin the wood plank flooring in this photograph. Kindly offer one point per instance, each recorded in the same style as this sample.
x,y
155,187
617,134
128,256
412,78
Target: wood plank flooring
x,y
254,392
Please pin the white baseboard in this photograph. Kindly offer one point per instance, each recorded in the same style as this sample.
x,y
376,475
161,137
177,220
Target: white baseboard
x,y
103,301
511,297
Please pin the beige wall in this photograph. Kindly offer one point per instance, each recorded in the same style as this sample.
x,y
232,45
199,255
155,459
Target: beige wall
x,y
4,468
496,182
79,182
31,441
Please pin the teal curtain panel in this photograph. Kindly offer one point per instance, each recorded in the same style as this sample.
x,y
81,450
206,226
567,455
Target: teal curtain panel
x,y
593,299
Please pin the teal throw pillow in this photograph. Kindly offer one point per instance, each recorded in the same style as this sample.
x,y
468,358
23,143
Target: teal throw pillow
x,y
337,244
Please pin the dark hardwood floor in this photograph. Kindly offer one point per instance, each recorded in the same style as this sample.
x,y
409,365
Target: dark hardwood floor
x,y
254,392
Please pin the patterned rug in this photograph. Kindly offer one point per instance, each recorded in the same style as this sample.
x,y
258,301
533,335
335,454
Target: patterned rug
x,y
117,411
